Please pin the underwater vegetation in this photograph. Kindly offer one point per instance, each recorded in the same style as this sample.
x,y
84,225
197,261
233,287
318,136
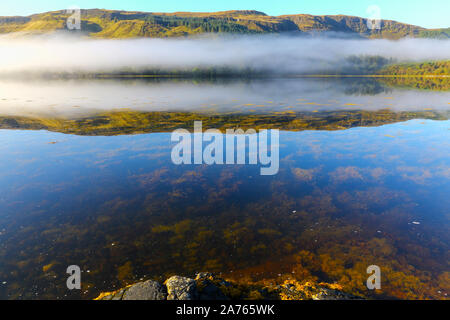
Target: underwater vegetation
x,y
355,188
126,214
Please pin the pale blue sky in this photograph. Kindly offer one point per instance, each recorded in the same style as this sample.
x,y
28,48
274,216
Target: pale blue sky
x,y
428,13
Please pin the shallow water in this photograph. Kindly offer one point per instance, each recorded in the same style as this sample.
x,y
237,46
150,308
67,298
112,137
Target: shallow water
x,y
372,193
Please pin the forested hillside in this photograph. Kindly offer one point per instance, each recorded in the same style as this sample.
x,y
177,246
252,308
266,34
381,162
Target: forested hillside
x,y
419,68
124,24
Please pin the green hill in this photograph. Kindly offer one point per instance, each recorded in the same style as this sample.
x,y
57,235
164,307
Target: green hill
x,y
435,33
126,24
418,68
428,75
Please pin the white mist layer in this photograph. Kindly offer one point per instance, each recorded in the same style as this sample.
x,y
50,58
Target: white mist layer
x,y
265,53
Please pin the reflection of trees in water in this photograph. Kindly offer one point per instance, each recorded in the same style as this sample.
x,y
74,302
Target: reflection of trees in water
x,y
127,122
366,87
418,83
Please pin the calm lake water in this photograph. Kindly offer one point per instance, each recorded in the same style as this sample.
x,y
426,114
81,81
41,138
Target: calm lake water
x,y
364,179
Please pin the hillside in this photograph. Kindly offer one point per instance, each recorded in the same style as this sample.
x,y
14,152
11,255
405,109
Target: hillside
x,y
428,75
419,68
123,24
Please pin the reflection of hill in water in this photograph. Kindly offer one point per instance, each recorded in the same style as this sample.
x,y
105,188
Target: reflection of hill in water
x,y
425,83
130,122
366,87
386,84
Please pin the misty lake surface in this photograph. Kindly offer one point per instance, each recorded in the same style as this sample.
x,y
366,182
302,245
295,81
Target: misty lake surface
x,y
364,179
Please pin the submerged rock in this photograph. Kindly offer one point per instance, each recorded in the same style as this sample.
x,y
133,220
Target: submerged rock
x,y
207,289
295,290
329,294
148,290
117,295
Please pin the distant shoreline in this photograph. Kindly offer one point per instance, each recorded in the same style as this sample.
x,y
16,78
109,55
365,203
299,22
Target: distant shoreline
x,y
93,76
284,76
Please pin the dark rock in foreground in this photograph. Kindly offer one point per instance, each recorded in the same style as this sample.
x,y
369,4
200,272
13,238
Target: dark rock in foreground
x,y
148,290
207,286
208,290
181,288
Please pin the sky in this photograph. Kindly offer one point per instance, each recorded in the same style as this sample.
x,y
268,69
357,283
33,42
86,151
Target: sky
x,y
425,13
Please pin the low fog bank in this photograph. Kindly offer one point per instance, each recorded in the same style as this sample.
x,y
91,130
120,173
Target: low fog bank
x,y
269,53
